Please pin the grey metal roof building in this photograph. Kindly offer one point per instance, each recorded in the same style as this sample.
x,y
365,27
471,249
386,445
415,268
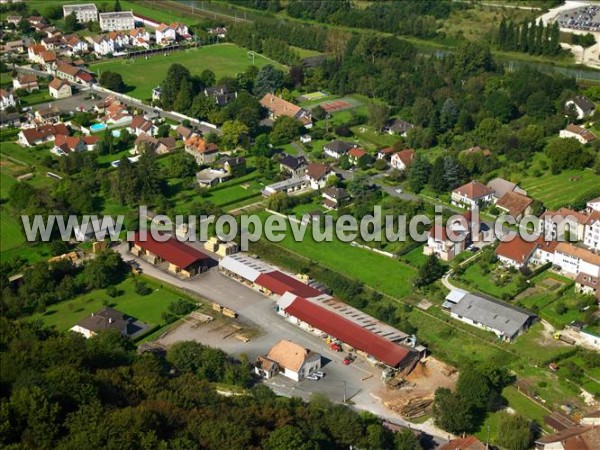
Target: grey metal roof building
x,y
244,266
506,321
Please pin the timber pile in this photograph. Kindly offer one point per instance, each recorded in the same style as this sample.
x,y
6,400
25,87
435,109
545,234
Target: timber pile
x,y
416,407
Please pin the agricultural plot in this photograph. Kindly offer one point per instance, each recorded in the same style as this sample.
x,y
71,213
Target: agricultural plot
x,y
141,75
562,189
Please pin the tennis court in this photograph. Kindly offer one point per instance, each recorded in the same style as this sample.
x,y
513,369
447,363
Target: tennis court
x,y
313,96
340,104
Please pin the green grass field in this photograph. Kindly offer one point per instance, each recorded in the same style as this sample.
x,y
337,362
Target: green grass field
x,y
144,74
148,308
562,189
380,272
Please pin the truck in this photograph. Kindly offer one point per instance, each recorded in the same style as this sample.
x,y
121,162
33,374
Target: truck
x,y
563,338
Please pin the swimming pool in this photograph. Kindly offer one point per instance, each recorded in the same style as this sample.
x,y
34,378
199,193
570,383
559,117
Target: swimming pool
x,y
97,127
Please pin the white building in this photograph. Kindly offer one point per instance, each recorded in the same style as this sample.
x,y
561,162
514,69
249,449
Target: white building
x,y
84,12
290,359
165,35
59,89
106,319
576,132
593,205
401,160
583,106
575,260
118,20
591,234
471,195
103,45
98,229
7,99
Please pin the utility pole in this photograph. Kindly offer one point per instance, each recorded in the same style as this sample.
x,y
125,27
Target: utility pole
x,y
344,391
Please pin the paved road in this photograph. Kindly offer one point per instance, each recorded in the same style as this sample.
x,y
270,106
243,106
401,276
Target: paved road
x,y
129,101
254,307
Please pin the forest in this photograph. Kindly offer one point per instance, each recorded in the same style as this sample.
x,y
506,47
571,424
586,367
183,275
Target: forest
x,y
62,391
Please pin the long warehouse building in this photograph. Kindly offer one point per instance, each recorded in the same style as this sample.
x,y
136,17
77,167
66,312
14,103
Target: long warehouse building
x,y
319,312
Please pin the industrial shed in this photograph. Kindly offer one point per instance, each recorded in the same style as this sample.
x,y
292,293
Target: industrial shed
x,y
360,337
182,259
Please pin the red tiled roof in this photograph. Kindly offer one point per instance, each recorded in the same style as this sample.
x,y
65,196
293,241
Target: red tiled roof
x,y
279,283
44,131
406,156
57,84
473,190
317,171
348,332
70,142
466,443
356,152
516,249
90,140
171,250
514,203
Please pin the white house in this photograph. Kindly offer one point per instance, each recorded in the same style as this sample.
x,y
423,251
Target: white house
x,y
103,45
106,319
576,132
593,205
584,107
402,159
59,89
7,100
337,149
140,125
591,232
139,37
27,82
76,45
97,229
516,252
472,194
117,20
84,12
292,361
317,175
165,35
278,107
181,29
575,260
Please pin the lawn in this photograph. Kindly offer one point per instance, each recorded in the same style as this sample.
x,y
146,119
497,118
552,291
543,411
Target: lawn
x,y
380,272
144,74
305,53
562,189
475,279
147,308
41,96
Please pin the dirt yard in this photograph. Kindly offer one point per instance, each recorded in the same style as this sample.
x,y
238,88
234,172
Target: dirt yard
x,y
414,397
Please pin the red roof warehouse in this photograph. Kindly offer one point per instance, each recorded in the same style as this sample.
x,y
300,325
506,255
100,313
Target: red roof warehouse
x,y
182,258
279,283
392,354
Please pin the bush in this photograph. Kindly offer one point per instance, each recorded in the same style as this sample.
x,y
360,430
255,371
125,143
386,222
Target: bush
x,y
142,288
113,292
343,131
560,308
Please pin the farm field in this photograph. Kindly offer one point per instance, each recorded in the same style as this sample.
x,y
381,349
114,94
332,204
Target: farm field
x,y
144,74
148,308
562,189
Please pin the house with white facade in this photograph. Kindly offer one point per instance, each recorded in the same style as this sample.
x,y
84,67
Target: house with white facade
x,y
103,45
165,35
471,195
117,20
106,319
59,89
290,359
573,131
583,106
336,149
318,174
516,252
85,12
574,260
446,242
7,100
27,82
402,159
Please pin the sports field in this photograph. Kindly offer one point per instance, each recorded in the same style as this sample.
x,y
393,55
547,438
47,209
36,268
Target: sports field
x,y
144,74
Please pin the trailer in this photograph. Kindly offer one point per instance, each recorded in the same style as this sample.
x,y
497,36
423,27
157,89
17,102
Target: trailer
x,y
563,338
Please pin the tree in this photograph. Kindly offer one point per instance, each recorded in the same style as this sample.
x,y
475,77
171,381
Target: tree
x,y
515,432
378,115
567,154
117,6
429,271
172,83
208,78
448,114
451,412
319,113
183,100
182,165
71,23
268,79
418,173
285,438
539,105
436,178
113,81
285,129
232,132
202,106
106,269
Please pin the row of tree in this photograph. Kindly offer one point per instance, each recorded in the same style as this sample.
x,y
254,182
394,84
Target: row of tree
x,y
529,37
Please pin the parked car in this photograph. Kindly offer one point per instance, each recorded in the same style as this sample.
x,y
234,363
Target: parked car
x,y
399,191
349,359
312,377
319,374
